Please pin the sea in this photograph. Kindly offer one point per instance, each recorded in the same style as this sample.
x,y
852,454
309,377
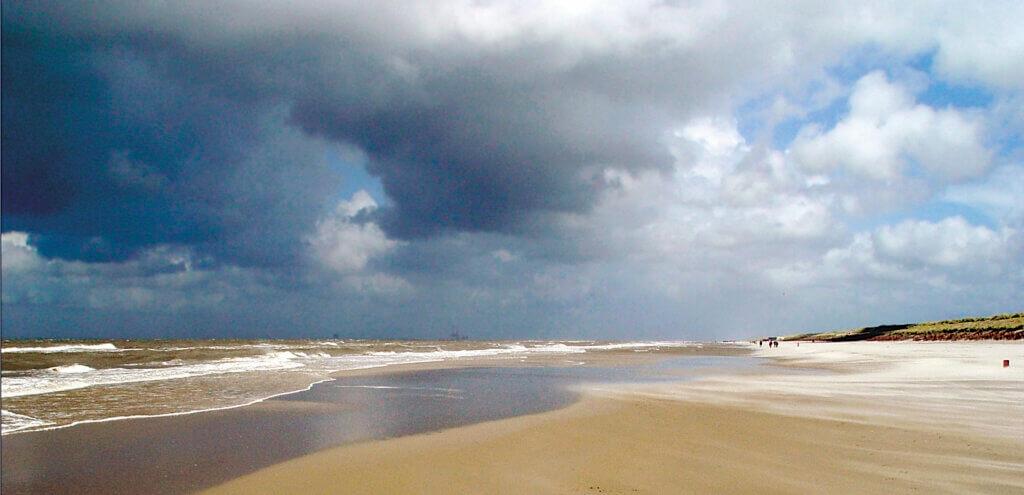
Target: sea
x,y
51,384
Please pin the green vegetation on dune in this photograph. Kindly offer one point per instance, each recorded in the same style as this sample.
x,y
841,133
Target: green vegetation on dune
x,y
998,327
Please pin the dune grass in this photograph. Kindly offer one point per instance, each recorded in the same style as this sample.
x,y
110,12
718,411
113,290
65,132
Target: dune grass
x,y
997,327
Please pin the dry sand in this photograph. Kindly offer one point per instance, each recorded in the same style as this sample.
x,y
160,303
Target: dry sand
x,y
768,432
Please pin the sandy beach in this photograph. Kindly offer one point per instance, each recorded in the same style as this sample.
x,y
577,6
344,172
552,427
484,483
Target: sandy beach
x,y
824,418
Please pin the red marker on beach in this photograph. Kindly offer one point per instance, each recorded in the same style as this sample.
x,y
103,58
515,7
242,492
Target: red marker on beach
x,y
1006,363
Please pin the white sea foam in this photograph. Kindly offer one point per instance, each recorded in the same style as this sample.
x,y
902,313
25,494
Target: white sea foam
x,y
72,377
557,348
440,354
71,368
226,347
12,422
642,345
105,347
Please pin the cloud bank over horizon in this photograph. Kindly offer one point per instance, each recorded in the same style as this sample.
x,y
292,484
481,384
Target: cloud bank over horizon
x,y
625,170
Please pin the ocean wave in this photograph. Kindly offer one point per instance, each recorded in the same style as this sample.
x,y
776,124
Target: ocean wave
x,y
106,347
71,368
63,378
440,354
276,368
77,376
40,425
247,347
641,345
556,348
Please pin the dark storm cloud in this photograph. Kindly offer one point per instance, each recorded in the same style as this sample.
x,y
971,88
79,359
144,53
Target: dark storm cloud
x,y
132,125
471,150
115,143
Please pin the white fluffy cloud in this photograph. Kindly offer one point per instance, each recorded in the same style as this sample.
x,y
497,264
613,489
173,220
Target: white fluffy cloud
x,y
993,53
725,208
998,195
886,132
344,245
161,279
951,242
18,255
950,253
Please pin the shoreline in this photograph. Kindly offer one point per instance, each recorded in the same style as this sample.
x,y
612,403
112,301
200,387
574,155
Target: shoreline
x,y
183,453
766,438
458,355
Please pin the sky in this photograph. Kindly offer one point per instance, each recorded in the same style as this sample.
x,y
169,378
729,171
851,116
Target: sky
x,y
697,170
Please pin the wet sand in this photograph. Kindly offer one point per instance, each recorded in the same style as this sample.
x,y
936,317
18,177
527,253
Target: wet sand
x,y
742,434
